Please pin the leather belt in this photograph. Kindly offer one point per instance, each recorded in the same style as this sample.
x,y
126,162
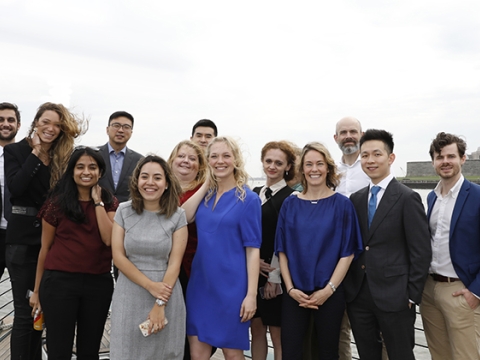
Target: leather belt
x,y
441,278
24,210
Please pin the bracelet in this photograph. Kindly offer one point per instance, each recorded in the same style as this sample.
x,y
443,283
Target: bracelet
x,y
288,292
332,286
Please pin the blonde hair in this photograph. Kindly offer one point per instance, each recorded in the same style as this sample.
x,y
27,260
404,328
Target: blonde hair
x,y
202,162
239,172
333,178
71,127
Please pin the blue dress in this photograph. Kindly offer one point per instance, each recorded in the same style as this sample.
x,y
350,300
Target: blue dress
x,y
314,236
218,282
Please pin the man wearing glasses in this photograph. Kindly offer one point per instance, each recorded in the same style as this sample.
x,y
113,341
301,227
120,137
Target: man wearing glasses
x,y
120,160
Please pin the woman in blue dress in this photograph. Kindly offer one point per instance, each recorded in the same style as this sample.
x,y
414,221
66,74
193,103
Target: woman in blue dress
x,y
221,293
317,238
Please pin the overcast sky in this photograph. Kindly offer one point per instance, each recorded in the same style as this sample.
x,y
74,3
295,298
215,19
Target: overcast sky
x,y
262,70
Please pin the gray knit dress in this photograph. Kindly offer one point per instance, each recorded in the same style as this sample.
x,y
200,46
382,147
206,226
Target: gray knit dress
x,y
148,242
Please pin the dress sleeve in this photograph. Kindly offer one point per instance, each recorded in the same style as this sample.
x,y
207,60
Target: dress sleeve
x,y
113,206
352,237
251,222
119,215
280,232
182,219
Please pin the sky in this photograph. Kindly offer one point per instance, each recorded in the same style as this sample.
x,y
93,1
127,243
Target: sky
x,y
261,70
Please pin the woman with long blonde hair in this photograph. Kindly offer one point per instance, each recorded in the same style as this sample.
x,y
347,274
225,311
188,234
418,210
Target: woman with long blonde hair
x,y
221,295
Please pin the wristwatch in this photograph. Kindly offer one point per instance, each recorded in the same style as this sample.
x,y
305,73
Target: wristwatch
x,y
160,302
100,204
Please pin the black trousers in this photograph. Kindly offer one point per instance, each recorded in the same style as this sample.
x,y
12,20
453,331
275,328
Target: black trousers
x,y
25,342
397,328
327,319
70,299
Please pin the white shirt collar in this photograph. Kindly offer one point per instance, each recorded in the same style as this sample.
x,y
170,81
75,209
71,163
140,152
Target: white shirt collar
x,y
453,191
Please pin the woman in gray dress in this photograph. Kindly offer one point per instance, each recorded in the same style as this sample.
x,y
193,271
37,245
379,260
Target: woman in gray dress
x,y
148,241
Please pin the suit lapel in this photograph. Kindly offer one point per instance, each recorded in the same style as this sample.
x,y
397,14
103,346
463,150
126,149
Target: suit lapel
x,y
362,214
462,197
431,198
389,198
127,161
108,172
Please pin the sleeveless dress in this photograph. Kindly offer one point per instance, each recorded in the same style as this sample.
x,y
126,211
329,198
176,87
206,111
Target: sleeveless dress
x,y
148,242
218,282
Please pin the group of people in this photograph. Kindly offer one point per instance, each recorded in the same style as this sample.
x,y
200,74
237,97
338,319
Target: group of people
x,y
202,259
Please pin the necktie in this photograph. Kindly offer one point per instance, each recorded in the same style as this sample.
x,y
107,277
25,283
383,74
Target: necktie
x,y
268,193
372,204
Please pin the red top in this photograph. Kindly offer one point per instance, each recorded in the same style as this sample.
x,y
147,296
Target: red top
x,y
192,235
77,247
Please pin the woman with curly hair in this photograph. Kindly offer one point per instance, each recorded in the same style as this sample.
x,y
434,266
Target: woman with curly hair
x,y
148,241
221,294
73,282
317,238
32,167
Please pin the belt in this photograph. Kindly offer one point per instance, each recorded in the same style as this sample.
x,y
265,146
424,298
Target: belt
x,y
441,278
24,210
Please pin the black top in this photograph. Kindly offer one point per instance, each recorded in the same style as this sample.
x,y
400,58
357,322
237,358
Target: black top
x,y
28,181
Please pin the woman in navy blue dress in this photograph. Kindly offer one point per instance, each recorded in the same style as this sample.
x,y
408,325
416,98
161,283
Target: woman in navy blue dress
x,y
317,238
221,293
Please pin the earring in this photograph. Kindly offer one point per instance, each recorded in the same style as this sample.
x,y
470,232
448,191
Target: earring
x,y
286,173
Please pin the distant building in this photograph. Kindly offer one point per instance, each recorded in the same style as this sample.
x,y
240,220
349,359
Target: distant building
x,y
417,169
474,155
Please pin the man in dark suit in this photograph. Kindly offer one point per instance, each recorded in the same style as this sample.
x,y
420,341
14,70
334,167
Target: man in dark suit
x,y
450,304
9,126
386,281
120,160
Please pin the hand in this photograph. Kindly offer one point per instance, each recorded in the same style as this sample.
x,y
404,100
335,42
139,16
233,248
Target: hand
x,y
35,303
96,193
248,308
270,290
157,319
471,299
302,299
265,268
319,297
160,290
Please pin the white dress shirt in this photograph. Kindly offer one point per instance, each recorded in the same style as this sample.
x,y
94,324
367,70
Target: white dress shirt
x,y
383,186
439,223
353,178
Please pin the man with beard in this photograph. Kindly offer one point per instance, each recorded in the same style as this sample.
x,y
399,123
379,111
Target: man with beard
x,y
347,135
450,303
9,125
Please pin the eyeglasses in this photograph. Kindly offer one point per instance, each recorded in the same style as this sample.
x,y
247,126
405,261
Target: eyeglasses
x,y
125,127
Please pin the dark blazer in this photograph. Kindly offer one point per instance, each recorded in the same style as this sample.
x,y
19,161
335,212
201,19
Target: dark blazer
x,y
28,181
464,234
397,248
122,192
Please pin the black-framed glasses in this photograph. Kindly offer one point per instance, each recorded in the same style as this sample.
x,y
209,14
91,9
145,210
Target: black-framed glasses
x,y
125,127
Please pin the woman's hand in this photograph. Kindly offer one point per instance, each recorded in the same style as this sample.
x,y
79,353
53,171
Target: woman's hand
x,y
160,290
271,290
248,308
302,299
157,319
265,268
96,194
35,303
319,297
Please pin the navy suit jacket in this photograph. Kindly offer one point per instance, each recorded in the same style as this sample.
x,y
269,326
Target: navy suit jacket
x,y
122,192
397,250
464,234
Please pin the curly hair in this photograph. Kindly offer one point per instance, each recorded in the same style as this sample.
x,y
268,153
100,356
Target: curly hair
x,y
443,139
333,178
239,172
169,201
289,152
202,162
71,127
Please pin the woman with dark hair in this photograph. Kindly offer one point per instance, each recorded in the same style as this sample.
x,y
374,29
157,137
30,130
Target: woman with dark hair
x,y
149,238
32,166
73,279
278,161
317,238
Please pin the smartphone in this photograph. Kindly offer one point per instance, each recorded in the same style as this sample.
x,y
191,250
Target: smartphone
x,y
144,327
